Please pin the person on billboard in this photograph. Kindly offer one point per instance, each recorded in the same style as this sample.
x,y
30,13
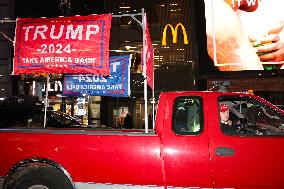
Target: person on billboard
x,y
234,51
265,27
237,47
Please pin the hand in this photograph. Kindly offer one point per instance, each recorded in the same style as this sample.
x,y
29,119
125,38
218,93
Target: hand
x,y
271,47
230,122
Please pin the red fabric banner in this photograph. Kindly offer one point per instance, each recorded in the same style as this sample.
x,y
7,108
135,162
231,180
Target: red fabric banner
x,y
78,44
149,56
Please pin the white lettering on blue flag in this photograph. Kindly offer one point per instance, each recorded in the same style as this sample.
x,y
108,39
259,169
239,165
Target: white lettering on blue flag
x,y
116,84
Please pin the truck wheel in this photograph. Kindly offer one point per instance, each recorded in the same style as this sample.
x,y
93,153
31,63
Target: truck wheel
x,y
41,178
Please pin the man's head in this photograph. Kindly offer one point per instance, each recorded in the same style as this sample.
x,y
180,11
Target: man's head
x,y
224,112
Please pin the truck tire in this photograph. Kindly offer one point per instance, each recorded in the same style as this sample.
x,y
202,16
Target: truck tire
x,y
41,178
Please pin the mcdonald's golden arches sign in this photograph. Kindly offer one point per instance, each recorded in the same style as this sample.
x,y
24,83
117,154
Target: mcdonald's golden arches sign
x,y
174,33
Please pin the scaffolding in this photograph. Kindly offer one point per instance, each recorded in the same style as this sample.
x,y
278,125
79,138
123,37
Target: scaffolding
x,y
143,25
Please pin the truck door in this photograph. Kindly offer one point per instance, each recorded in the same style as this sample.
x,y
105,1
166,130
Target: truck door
x,y
185,143
249,154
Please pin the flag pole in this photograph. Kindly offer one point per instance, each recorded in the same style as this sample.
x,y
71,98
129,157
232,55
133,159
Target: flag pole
x,y
46,99
144,72
153,101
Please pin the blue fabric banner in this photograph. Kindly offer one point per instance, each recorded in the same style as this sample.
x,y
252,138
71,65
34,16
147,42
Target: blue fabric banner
x,y
117,84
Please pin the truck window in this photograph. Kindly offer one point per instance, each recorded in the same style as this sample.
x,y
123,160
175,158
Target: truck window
x,y
21,118
248,116
187,116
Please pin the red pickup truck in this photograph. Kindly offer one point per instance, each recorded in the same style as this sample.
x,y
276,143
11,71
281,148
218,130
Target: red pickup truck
x,y
187,149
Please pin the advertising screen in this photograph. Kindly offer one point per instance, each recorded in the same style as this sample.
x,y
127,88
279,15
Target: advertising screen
x,y
245,34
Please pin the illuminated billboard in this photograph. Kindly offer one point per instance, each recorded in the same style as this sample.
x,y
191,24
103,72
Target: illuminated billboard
x,y
245,34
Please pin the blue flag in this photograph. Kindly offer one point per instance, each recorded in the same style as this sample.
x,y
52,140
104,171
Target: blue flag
x,y
117,84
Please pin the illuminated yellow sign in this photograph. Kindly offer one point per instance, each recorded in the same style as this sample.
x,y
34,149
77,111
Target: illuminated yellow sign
x,y
174,34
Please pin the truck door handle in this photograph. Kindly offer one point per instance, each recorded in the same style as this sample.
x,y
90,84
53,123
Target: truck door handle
x,y
224,151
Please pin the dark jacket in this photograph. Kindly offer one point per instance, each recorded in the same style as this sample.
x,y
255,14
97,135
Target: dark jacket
x,y
229,129
128,122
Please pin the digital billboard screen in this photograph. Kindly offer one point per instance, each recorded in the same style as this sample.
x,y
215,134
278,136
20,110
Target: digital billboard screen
x,y
245,34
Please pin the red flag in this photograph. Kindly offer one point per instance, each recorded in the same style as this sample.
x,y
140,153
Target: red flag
x,y
149,56
78,44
